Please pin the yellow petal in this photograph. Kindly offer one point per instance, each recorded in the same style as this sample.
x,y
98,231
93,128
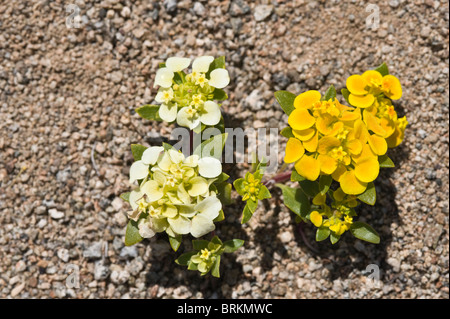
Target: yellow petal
x,y
308,167
354,147
367,170
326,143
340,170
350,116
396,138
311,144
392,86
372,76
327,125
351,185
294,150
361,101
372,124
316,218
327,164
388,126
307,99
300,119
378,144
356,84
304,135
365,153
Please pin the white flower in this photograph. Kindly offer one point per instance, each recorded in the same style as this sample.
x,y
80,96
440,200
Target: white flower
x,y
219,78
188,117
208,210
164,95
168,112
139,169
164,77
202,63
209,167
177,64
191,116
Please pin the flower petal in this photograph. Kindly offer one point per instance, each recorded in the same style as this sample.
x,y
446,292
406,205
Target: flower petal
x,y
201,225
138,170
327,143
177,64
308,167
378,144
394,91
180,225
316,218
361,101
307,99
145,230
209,207
356,84
294,150
219,78
209,167
152,190
164,78
300,119
191,161
372,76
328,164
311,144
304,135
134,197
151,154
351,185
199,186
168,112
367,170
211,113
201,64
184,119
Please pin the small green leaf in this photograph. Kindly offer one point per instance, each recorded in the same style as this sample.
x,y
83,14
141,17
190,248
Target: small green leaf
x,y
239,186
199,244
345,93
252,205
137,150
365,232
192,266
132,235
324,183
125,196
216,240
370,195
385,161
296,177
218,63
149,112
329,94
286,101
175,242
179,77
162,65
184,259
309,187
232,245
287,132
322,233
224,193
383,69
263,193
212,146
220,217
247,213
334,238
215,270
223,177
219,95
295,200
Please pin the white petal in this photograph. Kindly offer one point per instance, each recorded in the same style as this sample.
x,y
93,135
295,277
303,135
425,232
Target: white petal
x,y
191,161
211,115
219,78
183,119
163,78
177,64
175,156
209,167
209,207
138,170
201,225
168,113
199,186
134,197
159,97
151,154
152,190
145,230
201,64
180,225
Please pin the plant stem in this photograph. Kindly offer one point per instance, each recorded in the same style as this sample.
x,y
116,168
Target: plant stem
x,y
281,177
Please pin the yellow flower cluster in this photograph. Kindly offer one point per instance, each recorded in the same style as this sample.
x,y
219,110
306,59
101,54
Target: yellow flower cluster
x,y
345,142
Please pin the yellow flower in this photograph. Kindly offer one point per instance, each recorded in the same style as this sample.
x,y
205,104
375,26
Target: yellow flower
x,y
365,88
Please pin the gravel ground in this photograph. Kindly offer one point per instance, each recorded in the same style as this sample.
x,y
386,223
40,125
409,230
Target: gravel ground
x,y
68,93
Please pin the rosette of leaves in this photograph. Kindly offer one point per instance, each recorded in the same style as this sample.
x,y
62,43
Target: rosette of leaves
x,y
205,256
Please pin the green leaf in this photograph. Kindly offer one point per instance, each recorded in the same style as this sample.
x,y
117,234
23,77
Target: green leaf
x,y
167,147
175,242
309,187
179,77
247,213
132,235
334,238
137,150
364,232
322,233
162,65
199,244
218,63
224,193
329,94
185,258
296,177
125,196
252,205
211,146
324,183
263,193
239,186
192,266
286,101
215,271
223,177
383,69
216,240
287,132
232,245
370,195
295,200
149,112
220,217
345,93
385,161
219,95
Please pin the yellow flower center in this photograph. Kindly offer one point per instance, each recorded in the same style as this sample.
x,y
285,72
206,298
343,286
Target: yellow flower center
x,y
338,153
